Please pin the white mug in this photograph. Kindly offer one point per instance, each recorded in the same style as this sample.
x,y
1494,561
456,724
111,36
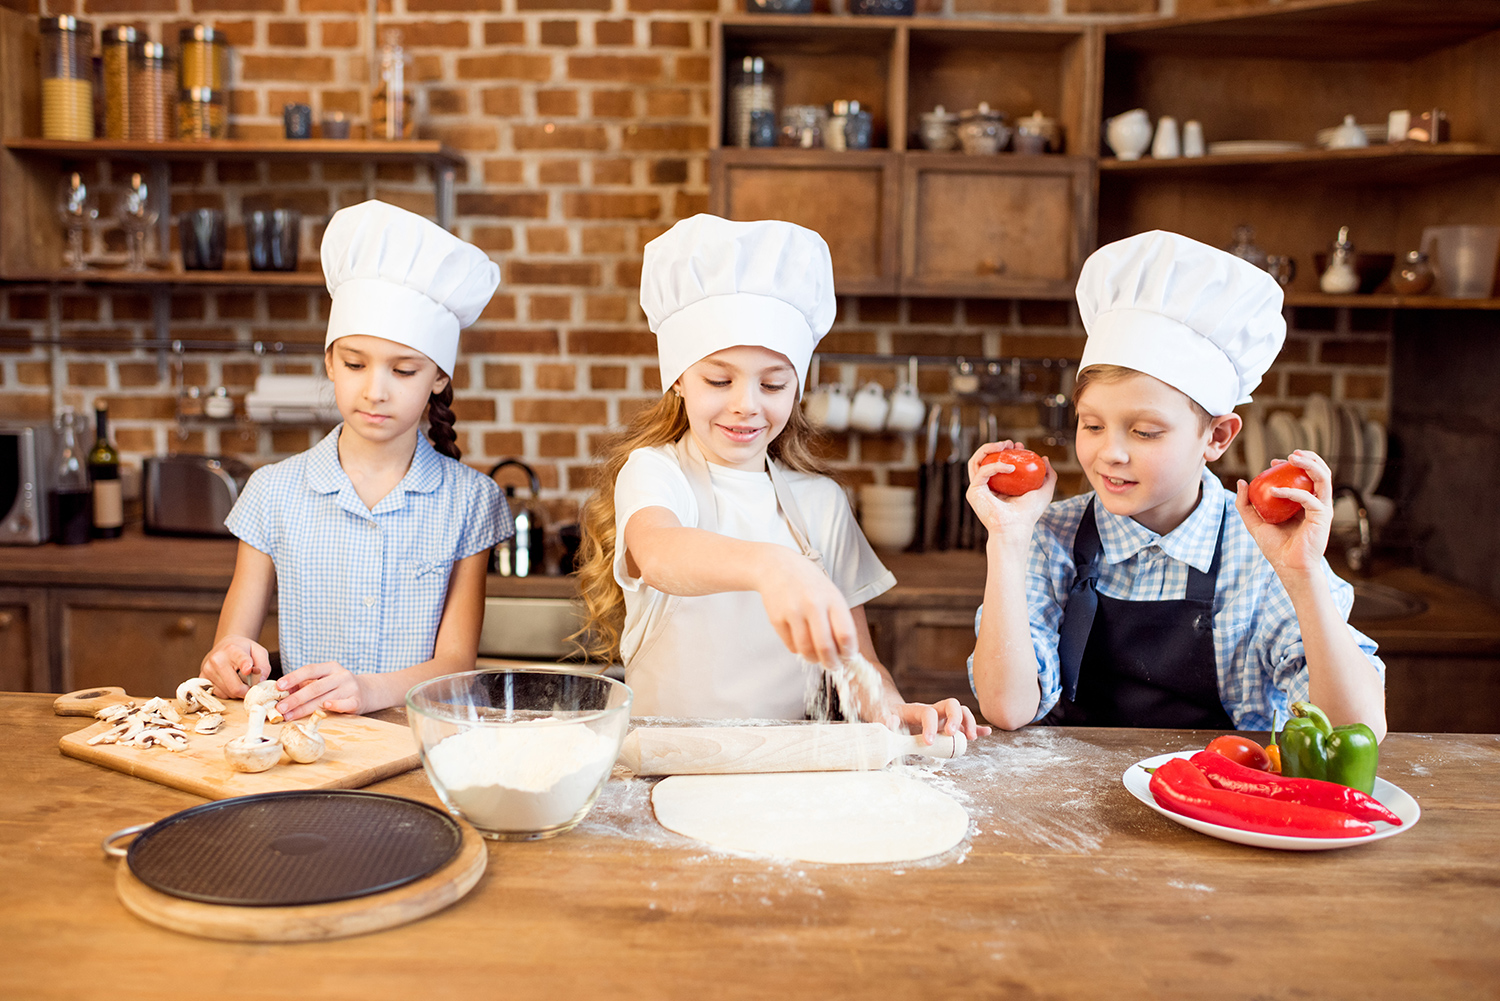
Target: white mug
x,y
1166,146
868,408
828,406
906,409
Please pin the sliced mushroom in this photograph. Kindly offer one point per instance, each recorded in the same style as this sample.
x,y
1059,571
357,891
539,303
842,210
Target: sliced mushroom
x,y
197,696
208,723
265,693
302,741
116,712
254,752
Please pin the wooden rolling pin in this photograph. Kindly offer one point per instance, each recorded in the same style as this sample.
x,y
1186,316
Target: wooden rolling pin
x,y
713,750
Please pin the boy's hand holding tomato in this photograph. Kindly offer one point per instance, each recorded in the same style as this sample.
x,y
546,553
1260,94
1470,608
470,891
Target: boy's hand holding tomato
x,y
1297,543
1009,517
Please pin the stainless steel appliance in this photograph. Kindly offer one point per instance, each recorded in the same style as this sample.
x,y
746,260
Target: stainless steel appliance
x,y
524,553
191,494
25,479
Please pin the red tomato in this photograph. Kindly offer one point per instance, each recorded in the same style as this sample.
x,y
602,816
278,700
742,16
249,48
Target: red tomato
x,y
1278,509
1031,471
1242,751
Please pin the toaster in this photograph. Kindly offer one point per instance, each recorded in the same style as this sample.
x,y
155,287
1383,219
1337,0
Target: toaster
x,y
25,479
191,494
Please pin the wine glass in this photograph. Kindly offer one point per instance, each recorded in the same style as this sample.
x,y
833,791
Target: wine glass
x,y
78,208
138,214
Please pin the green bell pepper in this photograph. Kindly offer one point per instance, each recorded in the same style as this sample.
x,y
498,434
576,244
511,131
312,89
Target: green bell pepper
x,y
1313,748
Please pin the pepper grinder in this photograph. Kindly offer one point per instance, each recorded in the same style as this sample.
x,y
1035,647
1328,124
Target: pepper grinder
x,y
1340,277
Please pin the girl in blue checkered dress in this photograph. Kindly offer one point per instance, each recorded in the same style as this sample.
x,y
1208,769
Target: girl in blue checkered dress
x,y
375,541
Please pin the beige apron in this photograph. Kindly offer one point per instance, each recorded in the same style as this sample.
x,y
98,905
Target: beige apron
x,y
716,656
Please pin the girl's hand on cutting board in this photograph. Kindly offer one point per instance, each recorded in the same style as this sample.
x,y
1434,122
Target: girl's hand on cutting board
x,y
947,717
234,664
1007,518
328,686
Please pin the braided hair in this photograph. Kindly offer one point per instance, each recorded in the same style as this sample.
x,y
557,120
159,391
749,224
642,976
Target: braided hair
x,y
440,423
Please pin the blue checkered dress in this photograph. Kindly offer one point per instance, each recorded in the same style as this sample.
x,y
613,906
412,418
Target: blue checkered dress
x,y
1257,642
365,588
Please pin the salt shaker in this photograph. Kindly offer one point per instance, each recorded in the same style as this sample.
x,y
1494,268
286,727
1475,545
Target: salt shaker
x,y
1340,278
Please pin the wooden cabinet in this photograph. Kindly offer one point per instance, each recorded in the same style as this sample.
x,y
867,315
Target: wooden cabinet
x,y
1433,694
980,225
926,650
24,650
145,642
918,223
1284,75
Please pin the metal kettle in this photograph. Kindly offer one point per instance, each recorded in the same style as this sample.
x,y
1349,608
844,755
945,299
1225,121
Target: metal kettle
x,y
523,553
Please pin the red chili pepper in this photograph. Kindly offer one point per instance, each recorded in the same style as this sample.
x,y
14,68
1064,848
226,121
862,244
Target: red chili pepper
x,y
1180,787
1225,774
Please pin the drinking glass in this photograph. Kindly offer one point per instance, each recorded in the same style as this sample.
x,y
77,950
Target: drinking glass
x,y
138,214
78,208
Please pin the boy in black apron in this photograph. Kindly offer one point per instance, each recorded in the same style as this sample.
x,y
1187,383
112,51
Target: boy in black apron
x,y
1160,599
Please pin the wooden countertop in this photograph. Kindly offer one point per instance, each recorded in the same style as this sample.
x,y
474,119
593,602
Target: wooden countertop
x,y
1457,622
1066,888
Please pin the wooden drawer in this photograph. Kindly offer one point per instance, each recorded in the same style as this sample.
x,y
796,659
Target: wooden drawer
x,y
147,644
995,225
23,641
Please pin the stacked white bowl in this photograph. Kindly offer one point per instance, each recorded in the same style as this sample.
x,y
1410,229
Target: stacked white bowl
x,y
888,516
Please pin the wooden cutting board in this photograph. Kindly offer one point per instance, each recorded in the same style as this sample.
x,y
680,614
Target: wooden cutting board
x,y
361,750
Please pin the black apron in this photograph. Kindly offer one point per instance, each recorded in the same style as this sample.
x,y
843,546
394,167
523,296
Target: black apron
x,y
1137,663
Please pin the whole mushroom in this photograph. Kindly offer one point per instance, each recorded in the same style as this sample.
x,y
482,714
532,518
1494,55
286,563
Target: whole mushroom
x,y
254,752
265,694
302,741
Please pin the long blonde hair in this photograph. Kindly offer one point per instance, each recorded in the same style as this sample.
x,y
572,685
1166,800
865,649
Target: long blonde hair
x,y
660,424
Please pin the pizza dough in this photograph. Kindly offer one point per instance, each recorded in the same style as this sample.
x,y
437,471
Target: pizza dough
x,y
838,817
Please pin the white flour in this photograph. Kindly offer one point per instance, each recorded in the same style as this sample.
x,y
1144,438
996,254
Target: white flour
x,y
521,776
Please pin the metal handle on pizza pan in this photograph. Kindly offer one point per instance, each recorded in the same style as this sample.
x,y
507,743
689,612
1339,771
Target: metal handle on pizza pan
x,y
108,844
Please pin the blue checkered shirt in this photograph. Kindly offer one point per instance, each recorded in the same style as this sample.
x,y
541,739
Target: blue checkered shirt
x,y
1257,642
358,586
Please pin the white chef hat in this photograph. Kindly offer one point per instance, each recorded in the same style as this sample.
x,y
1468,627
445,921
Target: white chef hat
x,y
708,284
393,274
1197,318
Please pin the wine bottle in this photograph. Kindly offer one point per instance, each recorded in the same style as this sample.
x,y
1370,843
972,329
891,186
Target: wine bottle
x,y
104,474
70,493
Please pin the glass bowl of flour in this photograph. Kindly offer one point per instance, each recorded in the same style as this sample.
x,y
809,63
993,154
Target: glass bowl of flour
x,y
520,755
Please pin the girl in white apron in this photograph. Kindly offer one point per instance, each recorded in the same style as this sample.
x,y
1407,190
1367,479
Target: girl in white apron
x,y
720,565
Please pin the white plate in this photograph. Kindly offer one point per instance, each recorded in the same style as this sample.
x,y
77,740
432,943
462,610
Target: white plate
x,y
1319,415
1242,147
1254,434
1282,435
1352,438
1375,445
1312,435
1393,797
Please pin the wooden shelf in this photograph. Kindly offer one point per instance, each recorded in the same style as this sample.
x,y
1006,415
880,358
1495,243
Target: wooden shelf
x,y
419,150
1317,29
1387,301
199,279
1378,164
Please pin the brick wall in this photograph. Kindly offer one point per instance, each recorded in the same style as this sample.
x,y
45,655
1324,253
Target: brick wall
x,y
584,124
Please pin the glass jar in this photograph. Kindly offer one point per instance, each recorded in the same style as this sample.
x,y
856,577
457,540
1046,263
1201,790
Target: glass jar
x,y
203,114
1413,276
67,65
802,125
203,58
1244,247
982,130
939,129
392,109
751,97
152,91
115,44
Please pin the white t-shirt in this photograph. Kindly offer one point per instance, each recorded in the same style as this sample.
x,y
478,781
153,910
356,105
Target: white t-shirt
x,y
747,510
